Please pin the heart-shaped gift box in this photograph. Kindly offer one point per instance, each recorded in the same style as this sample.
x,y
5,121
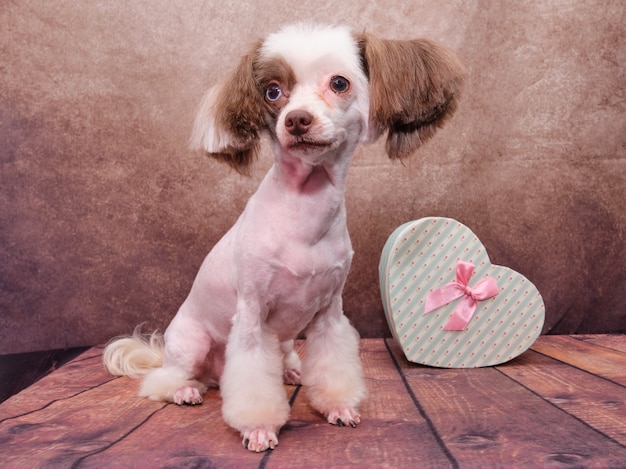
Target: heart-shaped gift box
x,y
447,305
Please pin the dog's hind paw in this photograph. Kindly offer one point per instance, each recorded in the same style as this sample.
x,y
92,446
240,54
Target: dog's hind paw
x,y
259,440
291,376
188,395
344,417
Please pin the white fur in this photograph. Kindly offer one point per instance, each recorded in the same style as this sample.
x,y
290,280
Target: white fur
x,y
134,356
281,268
207,133
318,51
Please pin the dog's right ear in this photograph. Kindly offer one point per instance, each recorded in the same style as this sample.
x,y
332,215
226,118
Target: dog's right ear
x,y
231,118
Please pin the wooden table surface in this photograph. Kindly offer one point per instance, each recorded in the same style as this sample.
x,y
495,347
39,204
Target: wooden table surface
x,y
560,404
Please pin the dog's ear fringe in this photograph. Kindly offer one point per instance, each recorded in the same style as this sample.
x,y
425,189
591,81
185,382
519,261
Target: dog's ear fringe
x,y
238,159
236,110
414,89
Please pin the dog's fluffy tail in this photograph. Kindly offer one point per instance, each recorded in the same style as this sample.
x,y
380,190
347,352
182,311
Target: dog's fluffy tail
x,y
134,355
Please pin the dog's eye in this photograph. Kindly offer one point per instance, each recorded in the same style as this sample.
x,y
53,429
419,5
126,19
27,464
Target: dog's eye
x,y
339,84
273,92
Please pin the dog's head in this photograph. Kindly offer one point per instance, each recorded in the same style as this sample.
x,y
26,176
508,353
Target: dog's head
x,y
316,89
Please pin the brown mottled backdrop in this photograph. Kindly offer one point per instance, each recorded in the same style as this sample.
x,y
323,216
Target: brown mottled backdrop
x,y
105,215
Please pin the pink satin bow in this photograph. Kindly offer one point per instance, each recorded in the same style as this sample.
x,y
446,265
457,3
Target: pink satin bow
x,y
464,311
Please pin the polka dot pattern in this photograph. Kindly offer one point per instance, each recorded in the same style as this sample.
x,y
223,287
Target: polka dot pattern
x,y
421,256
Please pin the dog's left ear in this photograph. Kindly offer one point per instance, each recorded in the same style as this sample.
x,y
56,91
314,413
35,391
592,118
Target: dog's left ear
x,y
414,88
231,118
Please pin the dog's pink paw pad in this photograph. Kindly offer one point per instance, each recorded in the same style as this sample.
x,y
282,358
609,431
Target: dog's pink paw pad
x,y
291,376
344,417
259,440
188,395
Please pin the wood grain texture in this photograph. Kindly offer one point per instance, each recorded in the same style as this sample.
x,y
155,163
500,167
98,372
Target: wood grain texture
x,y
592,399
482,414
75,378
392,433
536,411
602,361
18,371
612,341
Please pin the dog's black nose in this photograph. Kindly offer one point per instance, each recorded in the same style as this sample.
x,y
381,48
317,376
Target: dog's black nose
x,y
298,122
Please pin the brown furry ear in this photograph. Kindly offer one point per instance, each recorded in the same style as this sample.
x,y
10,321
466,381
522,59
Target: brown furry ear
x,y
414,88
231,118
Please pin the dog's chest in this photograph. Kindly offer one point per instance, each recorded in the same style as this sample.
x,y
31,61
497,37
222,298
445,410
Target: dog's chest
x,y
299,290
293,252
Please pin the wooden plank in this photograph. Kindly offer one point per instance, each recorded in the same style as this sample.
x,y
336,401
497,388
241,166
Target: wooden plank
x,y
601,361
175,436
63,431
105,422
79,375
613,341
178,436
599,403
392,433
188,436
481,413
535,411
20,370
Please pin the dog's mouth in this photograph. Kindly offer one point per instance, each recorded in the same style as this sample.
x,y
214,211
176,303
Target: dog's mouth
x,y
306,146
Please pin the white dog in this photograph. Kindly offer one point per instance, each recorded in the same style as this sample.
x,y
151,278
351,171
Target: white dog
x,y
280,270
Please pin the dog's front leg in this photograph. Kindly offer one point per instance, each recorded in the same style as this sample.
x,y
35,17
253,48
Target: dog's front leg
x,y
254,399
331,368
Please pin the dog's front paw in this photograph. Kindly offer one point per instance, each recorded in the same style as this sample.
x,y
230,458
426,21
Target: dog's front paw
x,y
344,417
259,440
188,395
291,376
